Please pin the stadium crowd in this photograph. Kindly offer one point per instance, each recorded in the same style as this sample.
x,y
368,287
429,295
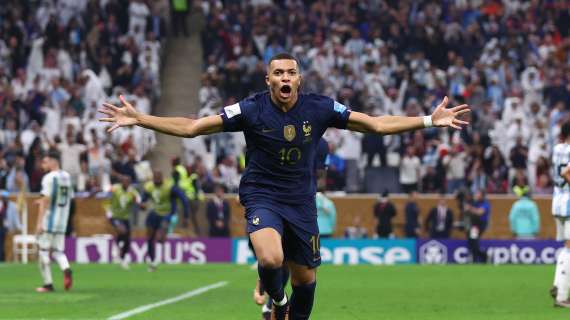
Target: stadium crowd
x,y
59,60
509,60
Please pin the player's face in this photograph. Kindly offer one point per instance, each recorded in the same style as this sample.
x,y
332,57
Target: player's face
x,y
283,79
46,164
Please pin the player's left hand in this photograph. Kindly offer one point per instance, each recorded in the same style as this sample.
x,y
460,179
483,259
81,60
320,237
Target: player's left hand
x,y
444,117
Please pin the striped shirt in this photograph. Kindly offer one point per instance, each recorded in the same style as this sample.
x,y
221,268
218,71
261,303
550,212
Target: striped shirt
x,y
56,185
561,197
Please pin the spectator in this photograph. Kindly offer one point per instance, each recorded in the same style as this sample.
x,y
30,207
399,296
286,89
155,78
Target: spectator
x,y
412,227
9,220
180,10
356,230
456,165
524,218
439,221
384,212
218,214
410,171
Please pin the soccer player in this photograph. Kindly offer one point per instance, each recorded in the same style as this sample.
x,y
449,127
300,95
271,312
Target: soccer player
x,y
123,197
163,194
56,195
282,128
561,212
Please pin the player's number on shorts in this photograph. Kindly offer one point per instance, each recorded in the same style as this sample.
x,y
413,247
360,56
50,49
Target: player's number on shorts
x,y
289,156
316,243
63,196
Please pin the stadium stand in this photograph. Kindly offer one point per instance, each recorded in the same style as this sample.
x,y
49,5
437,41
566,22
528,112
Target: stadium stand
x,y
58,61
507,59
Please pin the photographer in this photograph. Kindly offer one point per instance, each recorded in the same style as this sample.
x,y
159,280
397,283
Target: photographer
x,y
477,214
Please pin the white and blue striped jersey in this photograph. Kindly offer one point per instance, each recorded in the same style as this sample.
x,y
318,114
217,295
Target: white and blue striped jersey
x,y
56,185
561,197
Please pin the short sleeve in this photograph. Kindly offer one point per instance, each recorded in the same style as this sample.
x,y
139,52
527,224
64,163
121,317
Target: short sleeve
x,y
234,116
46,186
336,113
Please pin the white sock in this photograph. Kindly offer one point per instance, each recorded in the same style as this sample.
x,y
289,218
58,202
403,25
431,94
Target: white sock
x,y
559,264
265,308
45,269
564,277
61,260
282,302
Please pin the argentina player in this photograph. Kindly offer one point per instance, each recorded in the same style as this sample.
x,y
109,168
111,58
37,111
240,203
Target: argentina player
x,y
561,212
282,128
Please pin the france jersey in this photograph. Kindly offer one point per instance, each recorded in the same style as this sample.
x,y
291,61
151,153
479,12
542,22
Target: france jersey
x,y
57,186
282,146
561,197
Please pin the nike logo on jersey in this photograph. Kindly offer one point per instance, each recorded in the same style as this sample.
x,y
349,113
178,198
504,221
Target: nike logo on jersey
x,y
264,130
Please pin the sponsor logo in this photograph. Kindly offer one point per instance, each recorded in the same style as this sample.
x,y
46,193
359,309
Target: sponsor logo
x,y
433,252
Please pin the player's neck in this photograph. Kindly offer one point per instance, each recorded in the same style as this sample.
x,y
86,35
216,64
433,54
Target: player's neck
x,y
285,106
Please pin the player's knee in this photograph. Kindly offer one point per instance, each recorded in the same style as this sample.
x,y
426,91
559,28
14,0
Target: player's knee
x,y
271,261
302,277
44,257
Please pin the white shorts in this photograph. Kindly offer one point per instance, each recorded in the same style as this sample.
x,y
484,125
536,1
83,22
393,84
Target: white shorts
x,y
51,241
562,228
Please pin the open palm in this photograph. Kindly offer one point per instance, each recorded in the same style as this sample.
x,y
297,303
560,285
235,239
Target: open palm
x,y
444,117
119,116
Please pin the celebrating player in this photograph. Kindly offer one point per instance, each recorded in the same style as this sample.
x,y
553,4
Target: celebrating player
x,y
56,195
561,212
282,128
123,196
163,195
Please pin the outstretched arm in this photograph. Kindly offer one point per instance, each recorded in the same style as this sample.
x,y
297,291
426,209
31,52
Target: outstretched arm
x,y
127,115
441,117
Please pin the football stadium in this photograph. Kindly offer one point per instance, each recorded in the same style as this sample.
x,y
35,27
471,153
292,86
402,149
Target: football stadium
x,y
284,159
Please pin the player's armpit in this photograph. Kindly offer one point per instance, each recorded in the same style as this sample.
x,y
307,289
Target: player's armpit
x,y
383,124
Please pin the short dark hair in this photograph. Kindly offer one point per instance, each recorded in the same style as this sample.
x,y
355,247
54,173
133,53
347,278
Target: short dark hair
x,y
284,56
565,131
53,154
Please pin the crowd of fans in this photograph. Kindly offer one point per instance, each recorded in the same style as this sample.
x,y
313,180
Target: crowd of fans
x,y
509,60
59,60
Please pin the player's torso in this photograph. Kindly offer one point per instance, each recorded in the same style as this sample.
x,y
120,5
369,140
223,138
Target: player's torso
x,y
281,145
61,193
561,195
121,201
160,196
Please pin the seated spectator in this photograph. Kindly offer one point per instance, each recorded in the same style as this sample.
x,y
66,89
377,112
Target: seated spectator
x,y
356,230
524,217
439,221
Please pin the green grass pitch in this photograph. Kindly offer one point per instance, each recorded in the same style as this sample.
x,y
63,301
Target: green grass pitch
x,y
343,292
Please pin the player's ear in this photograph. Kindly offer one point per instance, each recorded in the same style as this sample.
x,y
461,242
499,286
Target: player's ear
x,y
267,80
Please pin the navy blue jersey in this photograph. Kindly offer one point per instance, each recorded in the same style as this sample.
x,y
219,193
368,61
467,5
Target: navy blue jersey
x,y
281,146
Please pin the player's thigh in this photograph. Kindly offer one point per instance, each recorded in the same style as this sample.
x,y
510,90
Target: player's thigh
x,y
301,244
563,229
58,243
264,227
301,274
45,241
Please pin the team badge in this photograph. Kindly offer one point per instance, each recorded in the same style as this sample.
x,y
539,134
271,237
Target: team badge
x,y
307,128
289,132
255,220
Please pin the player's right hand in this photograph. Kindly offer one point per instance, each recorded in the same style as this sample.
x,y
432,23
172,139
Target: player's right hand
x,y
123,116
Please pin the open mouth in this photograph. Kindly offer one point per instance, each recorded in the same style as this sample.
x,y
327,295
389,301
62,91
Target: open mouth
x,y
285,91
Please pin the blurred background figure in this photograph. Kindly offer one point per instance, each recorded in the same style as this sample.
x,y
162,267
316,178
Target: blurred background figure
x,y
218,213
384,212
524,217
439,221
9,220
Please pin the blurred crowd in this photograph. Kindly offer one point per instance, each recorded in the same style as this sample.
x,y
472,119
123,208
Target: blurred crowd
x,y
59,60
509,60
